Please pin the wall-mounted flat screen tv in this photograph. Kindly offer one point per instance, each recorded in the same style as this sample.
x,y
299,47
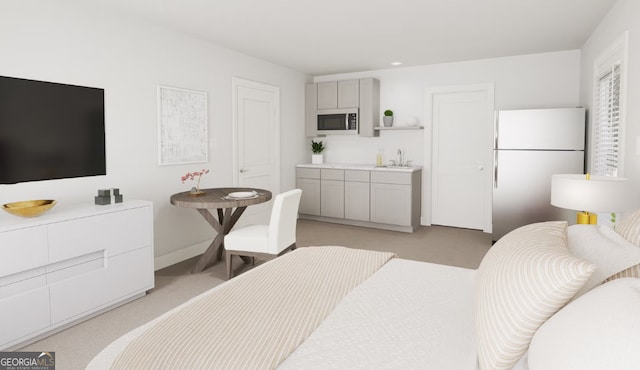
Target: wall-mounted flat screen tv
x,y
50,131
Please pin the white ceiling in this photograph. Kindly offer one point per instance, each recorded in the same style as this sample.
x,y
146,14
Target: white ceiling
x,y
335,36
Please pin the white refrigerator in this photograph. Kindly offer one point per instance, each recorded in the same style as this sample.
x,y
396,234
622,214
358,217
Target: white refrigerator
x,y
530,146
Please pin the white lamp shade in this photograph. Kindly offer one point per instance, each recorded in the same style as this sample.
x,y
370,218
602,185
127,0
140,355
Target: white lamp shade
x,y
598,194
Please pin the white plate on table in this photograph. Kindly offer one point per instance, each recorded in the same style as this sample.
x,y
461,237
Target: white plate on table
x,y
242,194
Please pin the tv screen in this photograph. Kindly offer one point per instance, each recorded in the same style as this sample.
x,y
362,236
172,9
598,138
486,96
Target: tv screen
x,y
50,131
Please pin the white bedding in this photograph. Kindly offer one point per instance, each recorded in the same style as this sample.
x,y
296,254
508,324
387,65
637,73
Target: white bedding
x,y
254,321
408,315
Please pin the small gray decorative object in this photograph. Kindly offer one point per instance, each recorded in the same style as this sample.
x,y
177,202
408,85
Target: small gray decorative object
x,y
102,200
117,197
104,196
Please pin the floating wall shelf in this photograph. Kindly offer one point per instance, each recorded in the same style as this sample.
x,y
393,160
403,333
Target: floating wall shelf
x,y
399,128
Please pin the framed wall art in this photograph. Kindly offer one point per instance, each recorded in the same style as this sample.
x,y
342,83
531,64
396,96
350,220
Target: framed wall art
x,y
182,126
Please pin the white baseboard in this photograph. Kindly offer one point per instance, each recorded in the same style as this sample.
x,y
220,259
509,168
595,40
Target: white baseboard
x,y
180,255
424,221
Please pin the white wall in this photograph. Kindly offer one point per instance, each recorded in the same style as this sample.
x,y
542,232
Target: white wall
x,y
51,41
548,80
624,16
530,81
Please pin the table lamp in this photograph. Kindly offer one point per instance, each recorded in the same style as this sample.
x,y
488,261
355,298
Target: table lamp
x,y
588,194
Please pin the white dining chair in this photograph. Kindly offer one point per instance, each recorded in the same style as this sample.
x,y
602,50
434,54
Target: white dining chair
x,y
267,240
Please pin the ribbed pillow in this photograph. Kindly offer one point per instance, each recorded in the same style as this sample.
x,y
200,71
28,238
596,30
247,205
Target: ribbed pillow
x,y
631,272
629,228
526,277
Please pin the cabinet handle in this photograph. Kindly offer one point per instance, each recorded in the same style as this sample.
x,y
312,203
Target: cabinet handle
x,y
243,170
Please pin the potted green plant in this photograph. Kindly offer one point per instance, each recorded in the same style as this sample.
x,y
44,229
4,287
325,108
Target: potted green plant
x,y
316,148
388,118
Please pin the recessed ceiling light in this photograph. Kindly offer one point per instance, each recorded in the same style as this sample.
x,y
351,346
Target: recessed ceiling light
x,y
396,63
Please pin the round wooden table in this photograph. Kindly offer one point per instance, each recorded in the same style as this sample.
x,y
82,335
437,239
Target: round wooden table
x,y
228,209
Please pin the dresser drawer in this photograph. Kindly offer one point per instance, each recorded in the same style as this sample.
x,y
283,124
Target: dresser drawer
x,y
124,275
22,315
23,249
116,232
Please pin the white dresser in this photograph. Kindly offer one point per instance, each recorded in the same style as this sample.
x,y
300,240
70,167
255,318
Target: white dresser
x,y
70,264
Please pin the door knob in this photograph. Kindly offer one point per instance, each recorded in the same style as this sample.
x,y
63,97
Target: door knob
x,y
481,167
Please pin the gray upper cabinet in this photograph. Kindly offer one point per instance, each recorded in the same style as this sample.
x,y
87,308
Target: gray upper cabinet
x,y
327,95
348,94
310,108
338,94
363,94
369,114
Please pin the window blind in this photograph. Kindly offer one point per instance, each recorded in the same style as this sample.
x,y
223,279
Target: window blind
x,y
606,158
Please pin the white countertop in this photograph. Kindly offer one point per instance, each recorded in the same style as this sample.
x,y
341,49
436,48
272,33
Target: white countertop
x,y
363,167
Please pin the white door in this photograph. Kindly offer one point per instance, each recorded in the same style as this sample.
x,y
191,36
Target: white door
x,y
256,127
461,121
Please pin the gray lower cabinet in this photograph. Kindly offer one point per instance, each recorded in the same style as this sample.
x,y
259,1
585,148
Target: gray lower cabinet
x,y
310,200
332,193
390,204
395,198
308,180
332,198
373,198
356,195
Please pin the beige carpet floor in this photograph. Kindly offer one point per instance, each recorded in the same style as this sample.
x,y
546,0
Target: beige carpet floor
x,y
77,345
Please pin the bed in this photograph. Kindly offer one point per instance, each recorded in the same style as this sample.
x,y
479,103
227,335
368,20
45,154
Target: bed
x,y
332,307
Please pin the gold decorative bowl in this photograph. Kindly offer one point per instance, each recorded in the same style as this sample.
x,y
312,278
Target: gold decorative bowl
x,y
29,208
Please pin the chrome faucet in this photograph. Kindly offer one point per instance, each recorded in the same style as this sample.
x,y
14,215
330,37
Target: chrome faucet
x,y
400,158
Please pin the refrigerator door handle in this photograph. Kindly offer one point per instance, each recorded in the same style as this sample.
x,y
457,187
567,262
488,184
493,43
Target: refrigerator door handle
x,y
495,169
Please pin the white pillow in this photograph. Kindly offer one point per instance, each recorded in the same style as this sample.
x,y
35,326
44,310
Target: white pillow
x,y
603,247
523,280
596,331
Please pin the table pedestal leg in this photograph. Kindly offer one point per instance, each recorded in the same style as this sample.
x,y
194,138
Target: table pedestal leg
x,y
208,255
227,218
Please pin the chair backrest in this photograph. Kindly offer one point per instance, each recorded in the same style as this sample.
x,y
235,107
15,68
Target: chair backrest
x,y
284,216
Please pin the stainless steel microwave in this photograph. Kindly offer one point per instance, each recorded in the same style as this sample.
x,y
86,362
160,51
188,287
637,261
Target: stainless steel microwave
x,y
338,121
